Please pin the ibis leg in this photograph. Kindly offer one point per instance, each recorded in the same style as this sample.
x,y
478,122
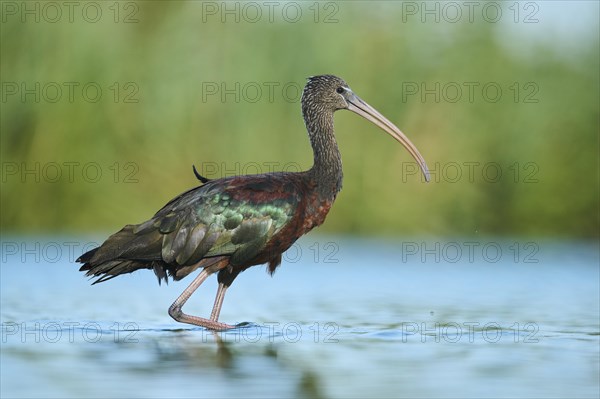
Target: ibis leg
x,y
214,316
176,312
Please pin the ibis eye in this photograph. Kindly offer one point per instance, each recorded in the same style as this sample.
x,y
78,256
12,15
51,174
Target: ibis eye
x,y
340,90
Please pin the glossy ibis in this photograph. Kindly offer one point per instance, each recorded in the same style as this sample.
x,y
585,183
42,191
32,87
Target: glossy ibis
x,y
227,225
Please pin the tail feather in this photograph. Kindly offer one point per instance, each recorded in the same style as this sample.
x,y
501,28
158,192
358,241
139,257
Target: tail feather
x,y
86,257
125,244
125,252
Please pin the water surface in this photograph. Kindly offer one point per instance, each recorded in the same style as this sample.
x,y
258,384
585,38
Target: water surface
x,y
340,318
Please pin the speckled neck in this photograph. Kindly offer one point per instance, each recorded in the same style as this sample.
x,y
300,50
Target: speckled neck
x,y
327,166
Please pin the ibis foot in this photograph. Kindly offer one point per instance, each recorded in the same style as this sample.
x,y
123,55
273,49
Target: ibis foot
x,y
176,313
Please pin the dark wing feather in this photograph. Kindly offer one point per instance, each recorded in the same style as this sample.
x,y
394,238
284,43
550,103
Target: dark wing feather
x,y
232,218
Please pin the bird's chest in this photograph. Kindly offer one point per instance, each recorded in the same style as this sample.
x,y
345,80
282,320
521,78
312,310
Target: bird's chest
x,y
306,218
315,214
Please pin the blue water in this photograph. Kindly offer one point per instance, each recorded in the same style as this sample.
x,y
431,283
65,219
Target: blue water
x,y
340,318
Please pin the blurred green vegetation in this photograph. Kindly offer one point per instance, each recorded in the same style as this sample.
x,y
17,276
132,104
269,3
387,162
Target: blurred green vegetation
x,y
547,151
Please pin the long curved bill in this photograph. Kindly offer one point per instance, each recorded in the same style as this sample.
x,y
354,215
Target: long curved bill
x,y
356,105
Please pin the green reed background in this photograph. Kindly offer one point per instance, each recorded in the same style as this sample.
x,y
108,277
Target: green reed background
x,y
164,56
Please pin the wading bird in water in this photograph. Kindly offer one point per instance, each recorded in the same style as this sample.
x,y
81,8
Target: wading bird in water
x,y
227,225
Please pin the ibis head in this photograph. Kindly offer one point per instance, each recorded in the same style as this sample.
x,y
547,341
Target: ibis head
x,y
325,94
